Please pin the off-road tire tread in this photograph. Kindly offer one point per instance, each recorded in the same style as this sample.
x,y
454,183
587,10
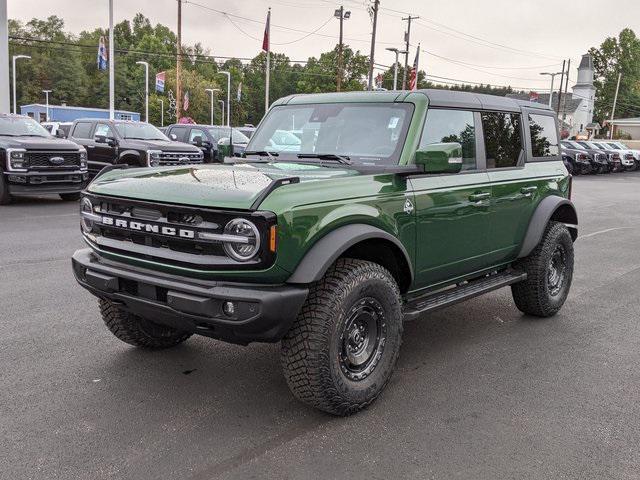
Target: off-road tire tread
x,y
127,327
305,352
531,296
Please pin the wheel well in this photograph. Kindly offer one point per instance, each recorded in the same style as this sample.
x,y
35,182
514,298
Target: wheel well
x,y
566,214
386,254
130,160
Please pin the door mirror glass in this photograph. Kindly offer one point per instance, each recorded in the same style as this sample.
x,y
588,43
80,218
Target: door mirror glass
x,y
173,136
197,140
60,133
440,158
100,139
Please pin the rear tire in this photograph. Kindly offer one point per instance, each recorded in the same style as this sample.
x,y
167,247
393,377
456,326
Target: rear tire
x,y
138,331
341,351
549,270
5,197
70,197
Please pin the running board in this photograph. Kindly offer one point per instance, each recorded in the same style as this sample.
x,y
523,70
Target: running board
x,y
465,291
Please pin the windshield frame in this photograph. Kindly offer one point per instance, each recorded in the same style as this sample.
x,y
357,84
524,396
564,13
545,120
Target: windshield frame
x,y
25,120
118,125
357,160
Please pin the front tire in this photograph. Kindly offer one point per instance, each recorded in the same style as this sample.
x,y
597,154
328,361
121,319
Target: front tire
x,y
549,270
138,331
341,351
70,197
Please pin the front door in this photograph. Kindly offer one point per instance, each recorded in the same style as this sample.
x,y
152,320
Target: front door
x,y
103,152
452,211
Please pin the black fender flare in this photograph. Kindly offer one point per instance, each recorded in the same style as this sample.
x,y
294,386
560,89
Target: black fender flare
x,y
541,217
328,249
132,153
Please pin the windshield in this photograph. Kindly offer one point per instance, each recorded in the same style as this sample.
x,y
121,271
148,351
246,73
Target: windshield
x,y
366,133
140,131
614,146
21,127
222,132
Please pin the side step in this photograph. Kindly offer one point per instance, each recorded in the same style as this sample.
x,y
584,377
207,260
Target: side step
x,y
465,291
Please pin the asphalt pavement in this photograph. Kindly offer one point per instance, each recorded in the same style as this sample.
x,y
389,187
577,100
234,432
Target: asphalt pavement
x,y
480,391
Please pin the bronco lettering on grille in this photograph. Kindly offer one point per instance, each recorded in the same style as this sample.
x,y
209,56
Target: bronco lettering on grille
x,y
148,227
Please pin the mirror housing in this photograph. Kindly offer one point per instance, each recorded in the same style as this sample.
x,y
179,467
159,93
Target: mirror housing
x,y
197,140
440,158
60,133
173,136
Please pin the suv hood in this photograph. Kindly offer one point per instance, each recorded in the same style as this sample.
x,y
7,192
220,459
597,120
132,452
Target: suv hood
x,y
38,143
164,145
236,186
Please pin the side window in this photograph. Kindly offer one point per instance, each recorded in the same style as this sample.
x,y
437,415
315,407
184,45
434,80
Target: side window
x,y
179,132
82,130
544,136
103,130
196,132
502,139
448,126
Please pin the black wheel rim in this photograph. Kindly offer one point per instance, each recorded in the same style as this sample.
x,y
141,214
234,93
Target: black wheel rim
x,y
362,339
557,270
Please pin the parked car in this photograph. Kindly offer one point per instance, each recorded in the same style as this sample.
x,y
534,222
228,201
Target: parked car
x,y
58,129
209,138
600,158
386,211
580,160
136,144
613,157
33,162
627,153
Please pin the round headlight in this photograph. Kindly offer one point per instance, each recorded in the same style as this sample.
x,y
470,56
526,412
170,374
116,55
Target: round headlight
x,y
85,221
242,251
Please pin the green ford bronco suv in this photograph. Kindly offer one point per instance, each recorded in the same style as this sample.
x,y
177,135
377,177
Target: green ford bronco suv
x,y
382,206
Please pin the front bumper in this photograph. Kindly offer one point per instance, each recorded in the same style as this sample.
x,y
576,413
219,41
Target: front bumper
x,y
262,313
43,182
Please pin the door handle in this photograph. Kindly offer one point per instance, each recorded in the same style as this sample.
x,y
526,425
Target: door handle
x,y
478,197
528,191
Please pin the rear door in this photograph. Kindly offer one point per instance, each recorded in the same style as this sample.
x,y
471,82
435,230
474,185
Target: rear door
x,y
453,209
82,134
519,147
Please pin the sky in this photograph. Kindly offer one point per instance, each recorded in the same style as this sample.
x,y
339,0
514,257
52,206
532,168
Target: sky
x,y
502,42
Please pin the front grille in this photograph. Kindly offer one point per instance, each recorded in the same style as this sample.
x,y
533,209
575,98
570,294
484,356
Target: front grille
x,y
180,158
36,159
152,244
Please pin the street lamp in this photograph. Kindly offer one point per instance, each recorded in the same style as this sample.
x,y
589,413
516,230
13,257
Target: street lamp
x,y
221,102
395,65
46,96
13,61
146,89
553,76
228,74
212,91
341,15
161,112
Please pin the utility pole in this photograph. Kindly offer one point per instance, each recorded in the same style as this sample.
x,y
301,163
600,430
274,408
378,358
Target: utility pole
x,y
46,101
13,61
376,5
146,89
112,94
161,112
178,65
342,16
266,40
566,88
407,39
615,101
560,89
4,58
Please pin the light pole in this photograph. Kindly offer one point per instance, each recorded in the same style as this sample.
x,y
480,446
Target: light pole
x,y
146,89
211,91
221,102
46,101
395,65
13,61
341,15
112,75
161,112
4,58
228,74
553,76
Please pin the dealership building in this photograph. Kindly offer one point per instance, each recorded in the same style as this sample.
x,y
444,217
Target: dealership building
x,y
64,113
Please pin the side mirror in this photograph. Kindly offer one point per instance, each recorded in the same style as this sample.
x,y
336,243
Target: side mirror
x,y
440,158
173,136
197,140
60,133
100,139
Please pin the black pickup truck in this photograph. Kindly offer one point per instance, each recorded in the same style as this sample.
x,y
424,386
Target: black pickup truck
x,y
137,144
33,162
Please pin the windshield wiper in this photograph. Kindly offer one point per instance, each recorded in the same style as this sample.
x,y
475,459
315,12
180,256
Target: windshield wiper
x,y
327,156
262,153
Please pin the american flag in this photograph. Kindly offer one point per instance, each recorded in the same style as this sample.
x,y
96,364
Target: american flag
x,y
267,31
413,73
102,54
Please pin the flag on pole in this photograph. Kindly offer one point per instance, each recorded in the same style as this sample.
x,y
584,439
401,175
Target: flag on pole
x,y
160,82
413,74
102,55
267,33
185,102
